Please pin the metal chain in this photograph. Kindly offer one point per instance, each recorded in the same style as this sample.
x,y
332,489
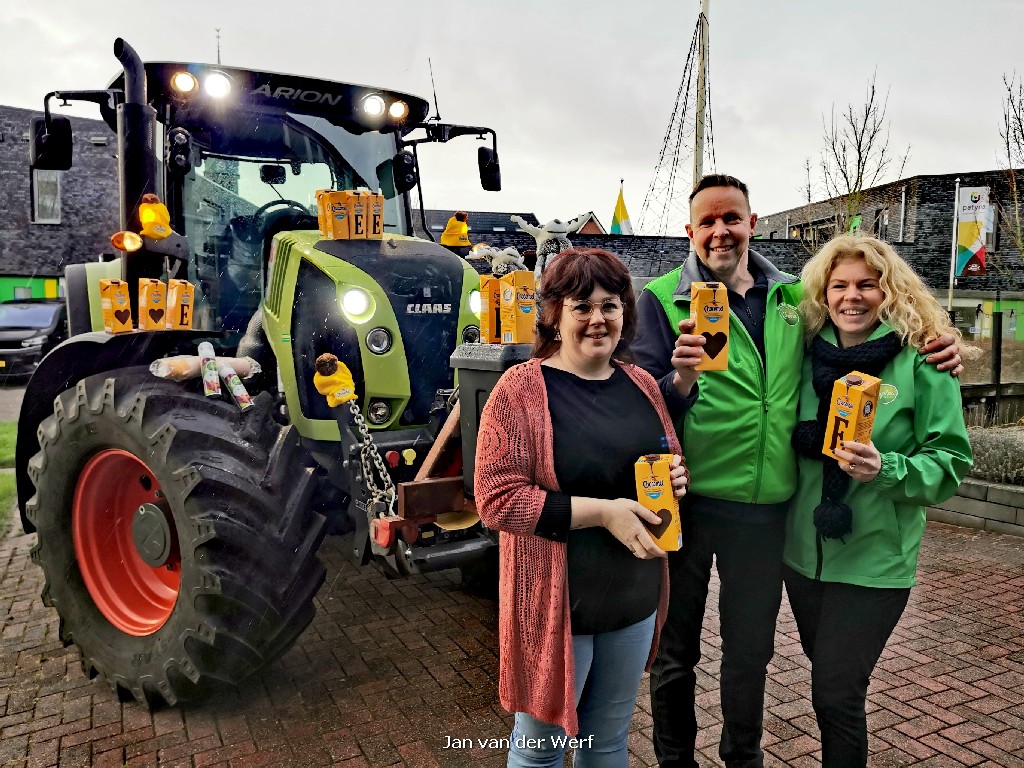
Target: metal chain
x,y
370,459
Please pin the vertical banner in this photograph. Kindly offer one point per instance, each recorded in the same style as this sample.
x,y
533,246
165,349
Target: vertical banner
x,y
973,221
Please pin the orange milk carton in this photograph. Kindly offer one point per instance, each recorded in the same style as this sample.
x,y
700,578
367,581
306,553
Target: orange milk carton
x,y
654,491
337,208
180,305
851,412
322,212
709,307
518,307
152,304
117,312
374,216
490,309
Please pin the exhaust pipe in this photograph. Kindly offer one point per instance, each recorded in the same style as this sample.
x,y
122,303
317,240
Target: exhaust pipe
x,y
137,158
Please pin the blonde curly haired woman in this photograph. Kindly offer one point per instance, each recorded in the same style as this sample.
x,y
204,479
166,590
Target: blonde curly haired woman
x,y
855,526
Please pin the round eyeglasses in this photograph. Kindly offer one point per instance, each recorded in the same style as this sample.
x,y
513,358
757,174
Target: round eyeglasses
x,y
583,310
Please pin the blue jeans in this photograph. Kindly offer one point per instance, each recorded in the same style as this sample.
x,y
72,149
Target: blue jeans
x,y
609,666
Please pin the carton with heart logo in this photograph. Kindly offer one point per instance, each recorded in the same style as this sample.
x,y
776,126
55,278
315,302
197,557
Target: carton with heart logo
x,y
851,412
709,307
654,491
117,312
152,304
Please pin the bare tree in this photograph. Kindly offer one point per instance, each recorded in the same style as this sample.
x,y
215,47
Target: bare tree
x,y
856,156
1011,134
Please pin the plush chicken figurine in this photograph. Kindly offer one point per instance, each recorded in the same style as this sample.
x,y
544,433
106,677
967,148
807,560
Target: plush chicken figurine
x,y
155,219
333,380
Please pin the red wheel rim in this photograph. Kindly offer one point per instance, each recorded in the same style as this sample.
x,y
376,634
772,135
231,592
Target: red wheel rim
x,y
134,596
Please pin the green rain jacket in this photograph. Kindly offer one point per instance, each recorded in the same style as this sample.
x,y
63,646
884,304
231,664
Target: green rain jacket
x,y
919,431
736,437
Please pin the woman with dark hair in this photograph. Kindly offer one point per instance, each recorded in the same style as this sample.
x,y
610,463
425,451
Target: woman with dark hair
x,y
583,587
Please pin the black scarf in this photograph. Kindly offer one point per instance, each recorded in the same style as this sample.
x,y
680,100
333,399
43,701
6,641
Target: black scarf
x,y
833,519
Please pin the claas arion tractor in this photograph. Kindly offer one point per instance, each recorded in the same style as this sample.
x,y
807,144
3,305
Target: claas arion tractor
x,y
178,533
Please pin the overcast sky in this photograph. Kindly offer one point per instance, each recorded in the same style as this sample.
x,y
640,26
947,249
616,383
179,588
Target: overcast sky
x,y
579,91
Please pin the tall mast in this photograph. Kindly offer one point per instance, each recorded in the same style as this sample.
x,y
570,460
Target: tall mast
x,y
702,94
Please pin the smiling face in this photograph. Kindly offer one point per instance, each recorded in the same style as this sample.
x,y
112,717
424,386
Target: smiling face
x,y
720,228
853,295
590,341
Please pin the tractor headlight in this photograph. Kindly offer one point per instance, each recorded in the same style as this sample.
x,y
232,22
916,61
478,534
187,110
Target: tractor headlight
x,y
378,412
470,334
475,303
373,105
357,305
378,341
217,85
34,341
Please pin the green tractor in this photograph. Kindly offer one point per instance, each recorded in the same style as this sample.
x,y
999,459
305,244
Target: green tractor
x,y
179,534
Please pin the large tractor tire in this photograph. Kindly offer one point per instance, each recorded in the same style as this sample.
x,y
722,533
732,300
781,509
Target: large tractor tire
x,y
176,534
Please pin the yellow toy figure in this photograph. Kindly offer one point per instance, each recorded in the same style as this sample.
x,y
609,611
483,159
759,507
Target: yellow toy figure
x,y
155,219
333,380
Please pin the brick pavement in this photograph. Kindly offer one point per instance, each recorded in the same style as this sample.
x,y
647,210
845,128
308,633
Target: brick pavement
x,y
389,669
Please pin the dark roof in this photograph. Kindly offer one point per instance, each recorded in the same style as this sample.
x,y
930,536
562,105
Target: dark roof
x,y
481,223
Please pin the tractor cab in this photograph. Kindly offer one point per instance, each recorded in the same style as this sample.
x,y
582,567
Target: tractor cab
x,y
239,155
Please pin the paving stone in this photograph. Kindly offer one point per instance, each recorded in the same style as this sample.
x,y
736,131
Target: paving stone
x,y
387,669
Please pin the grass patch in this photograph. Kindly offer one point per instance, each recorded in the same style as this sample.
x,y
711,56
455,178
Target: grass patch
x,y
8,495
8,436
8,488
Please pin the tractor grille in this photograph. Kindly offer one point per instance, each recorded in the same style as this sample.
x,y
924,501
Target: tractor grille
x,y
424,284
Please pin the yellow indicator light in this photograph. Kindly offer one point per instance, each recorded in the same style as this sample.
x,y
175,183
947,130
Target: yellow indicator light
x,y
184,82
126,241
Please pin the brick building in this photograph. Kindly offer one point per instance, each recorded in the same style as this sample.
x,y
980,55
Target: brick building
x,y
916,215
49,219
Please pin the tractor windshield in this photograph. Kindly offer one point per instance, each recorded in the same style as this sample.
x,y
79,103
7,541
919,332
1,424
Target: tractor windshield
x,y
253,178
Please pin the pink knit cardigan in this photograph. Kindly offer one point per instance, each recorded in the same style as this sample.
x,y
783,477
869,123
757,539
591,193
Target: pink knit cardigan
x,y
515,469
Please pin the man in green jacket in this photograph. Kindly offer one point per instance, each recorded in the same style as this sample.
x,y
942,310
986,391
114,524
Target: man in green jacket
x,y
742,466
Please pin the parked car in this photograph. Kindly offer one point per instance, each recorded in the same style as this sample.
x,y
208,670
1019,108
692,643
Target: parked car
x,y
29,328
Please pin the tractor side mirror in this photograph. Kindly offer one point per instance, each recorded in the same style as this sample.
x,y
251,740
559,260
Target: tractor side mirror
x,y
386,178
273,174
403,168
490,170
50,149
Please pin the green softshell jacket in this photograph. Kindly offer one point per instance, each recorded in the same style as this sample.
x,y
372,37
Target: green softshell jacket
x,y
736,437
919,431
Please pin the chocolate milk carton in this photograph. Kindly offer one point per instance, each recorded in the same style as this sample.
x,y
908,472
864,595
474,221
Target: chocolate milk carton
x,y
709,307
323,215
490,309
117,312
851,411
152,304
374,216
518,307
654,491
180,305
337,209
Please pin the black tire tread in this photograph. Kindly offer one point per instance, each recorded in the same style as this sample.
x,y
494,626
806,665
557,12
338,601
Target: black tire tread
x,y
240,487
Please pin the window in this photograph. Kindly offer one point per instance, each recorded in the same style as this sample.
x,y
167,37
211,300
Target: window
x,y
881,223
992,229
46,197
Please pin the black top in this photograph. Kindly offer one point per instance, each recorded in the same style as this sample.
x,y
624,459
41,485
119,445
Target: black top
x,y
600,429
